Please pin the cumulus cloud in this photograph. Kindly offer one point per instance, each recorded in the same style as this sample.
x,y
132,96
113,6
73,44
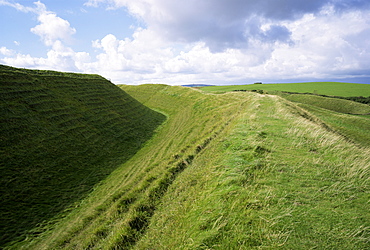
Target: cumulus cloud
x,y
52,28
312,40
208,41
222,24
54,32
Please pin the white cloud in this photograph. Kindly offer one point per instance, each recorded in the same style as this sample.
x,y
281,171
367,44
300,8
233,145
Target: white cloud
x,y
207,42
53,28
6,52
53,31
17,6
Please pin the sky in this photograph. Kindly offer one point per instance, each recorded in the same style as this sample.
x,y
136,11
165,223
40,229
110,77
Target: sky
x,y
178,42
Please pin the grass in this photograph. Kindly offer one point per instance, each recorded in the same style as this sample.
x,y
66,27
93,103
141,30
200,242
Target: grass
x,y
348,118
333,104
274,180
233,171
124,204
321,88
61,134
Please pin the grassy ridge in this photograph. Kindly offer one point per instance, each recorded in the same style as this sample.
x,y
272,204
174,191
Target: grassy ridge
x,y
232,171
322,88
60,134
118,212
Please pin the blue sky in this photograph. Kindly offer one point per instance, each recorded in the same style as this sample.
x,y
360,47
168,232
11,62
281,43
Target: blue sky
x,y
194,41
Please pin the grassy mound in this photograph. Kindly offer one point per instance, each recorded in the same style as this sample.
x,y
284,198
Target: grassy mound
x,y
60,135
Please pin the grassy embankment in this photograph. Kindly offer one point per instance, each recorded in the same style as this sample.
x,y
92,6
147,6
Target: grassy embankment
x,y
60,134
118,212
232,171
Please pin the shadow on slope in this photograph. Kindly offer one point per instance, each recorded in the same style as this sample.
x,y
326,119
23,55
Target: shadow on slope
x,y
60,134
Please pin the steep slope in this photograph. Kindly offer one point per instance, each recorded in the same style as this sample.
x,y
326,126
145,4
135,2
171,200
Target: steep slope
x,y
60,134
231,171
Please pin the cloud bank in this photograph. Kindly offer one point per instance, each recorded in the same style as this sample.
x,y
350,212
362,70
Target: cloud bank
x,y
216,42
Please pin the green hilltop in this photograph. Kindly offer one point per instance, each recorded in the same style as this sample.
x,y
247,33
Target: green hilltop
x,y
238,170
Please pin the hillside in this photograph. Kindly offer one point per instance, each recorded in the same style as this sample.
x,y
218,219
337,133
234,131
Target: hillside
x,y
232,171
238,170
60,135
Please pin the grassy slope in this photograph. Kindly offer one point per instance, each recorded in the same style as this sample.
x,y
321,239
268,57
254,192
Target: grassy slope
x,y
118,212
322,88
232,171
60,134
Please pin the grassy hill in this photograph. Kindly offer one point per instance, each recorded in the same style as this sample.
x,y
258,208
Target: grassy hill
x,y
238,170
60,135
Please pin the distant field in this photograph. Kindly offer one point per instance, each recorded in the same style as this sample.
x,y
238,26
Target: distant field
x,y
321,88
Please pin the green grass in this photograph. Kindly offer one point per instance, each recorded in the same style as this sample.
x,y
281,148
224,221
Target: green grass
x,y
237,170
321,88
348,118
274,180
118,212
333,104
60,135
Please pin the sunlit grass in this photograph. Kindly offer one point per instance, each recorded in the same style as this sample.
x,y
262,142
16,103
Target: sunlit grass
x,y
275,180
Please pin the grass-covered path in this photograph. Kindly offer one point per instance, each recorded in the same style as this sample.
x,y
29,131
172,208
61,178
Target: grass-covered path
x,y
274,180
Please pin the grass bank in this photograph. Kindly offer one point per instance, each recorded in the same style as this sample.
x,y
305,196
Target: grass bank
x,y
60,135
